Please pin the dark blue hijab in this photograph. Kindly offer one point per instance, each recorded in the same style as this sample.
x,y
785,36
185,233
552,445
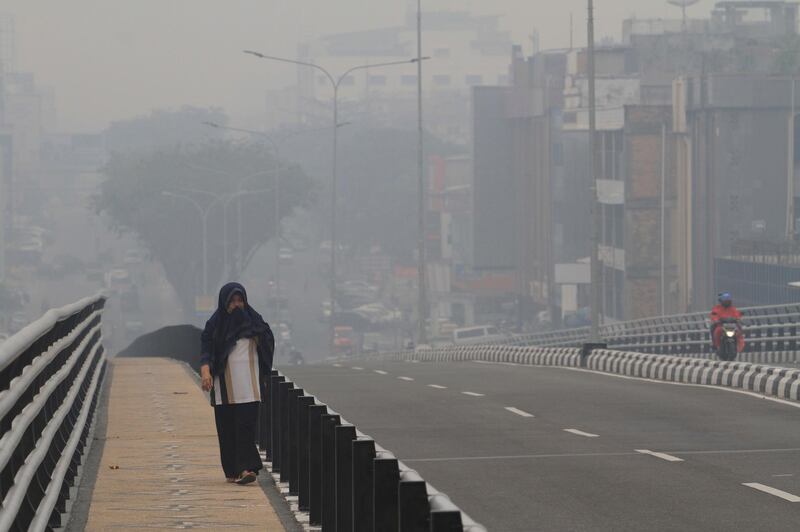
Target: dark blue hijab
x,y
230,327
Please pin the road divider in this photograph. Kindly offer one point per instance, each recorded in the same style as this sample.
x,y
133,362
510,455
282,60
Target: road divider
x,y
778,382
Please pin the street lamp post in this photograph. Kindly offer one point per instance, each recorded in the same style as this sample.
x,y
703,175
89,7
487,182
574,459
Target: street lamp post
x,y
335,84
422,303
595,265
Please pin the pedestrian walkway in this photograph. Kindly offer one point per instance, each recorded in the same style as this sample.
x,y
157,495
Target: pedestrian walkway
x,y
160,464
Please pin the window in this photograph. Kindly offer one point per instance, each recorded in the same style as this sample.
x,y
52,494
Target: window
x,y
441,52
502,79
408,80
377,80
322,80
348,81
441,80
473,79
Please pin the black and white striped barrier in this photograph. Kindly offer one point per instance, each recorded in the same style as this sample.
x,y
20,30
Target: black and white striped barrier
x,y
780,382
50,377
341,477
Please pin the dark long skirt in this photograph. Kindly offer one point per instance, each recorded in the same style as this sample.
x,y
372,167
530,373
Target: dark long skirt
x,y
236,430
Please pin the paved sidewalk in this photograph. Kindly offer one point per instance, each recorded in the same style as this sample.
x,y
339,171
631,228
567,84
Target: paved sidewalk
x,y
160,464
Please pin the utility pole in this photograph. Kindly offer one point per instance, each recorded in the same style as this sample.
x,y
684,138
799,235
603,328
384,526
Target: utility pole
x,y
422,304
596,267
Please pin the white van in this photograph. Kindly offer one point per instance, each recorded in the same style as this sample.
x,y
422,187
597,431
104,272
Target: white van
x,y
481,334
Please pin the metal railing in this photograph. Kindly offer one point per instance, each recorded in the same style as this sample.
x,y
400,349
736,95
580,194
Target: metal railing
x,y
767,330
342,477
50,377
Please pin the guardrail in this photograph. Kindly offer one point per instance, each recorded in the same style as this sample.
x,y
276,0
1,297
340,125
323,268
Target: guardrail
x,y
779,382
772,329
50,377
342,477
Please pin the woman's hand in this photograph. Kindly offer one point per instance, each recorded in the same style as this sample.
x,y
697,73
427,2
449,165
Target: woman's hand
x,y
205,378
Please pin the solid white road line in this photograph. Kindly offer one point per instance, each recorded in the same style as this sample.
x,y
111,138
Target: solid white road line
x,y
581,433
380,372
772,491
518,412
405,378
438,386
473,394
663,456
359,368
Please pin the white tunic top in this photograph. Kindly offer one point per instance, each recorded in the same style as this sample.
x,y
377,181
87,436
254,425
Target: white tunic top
x,y
241,382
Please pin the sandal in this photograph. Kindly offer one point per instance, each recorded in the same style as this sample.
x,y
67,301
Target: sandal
x,y
246,478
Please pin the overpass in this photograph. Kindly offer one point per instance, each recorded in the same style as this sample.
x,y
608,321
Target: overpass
x,y
553,436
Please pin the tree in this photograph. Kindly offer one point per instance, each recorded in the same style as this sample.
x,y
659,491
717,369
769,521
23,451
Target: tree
x,y
163,128
211,173
377,184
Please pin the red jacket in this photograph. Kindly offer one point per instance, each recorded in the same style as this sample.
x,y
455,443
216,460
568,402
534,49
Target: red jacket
x,y
720,312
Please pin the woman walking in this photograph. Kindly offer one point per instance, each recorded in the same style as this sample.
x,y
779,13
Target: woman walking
x,y
237,348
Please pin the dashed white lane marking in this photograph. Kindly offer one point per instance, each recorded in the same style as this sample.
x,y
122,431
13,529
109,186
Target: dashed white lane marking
x,y
473,394
438,386
785,475
405,378
772,491
581,433
359,368
663,456
337,365
381,372
518,412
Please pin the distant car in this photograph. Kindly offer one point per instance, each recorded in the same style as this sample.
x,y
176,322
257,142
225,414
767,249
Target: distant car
x,y
132,256
118,279
482,334
343,341
286,256
284,333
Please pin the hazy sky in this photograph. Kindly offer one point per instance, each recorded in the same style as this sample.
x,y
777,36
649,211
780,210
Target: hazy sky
x,y
112,59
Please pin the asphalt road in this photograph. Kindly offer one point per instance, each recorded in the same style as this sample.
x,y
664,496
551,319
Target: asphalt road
x,y
534,448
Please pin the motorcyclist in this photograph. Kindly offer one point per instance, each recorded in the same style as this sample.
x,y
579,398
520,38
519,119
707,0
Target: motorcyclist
x,y
725,310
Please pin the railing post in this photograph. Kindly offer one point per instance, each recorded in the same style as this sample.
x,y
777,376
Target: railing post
x,y
303,404
384,494
283,455
291,412
414,512
363,471
343,437
275,420
329,423
265,417
315,414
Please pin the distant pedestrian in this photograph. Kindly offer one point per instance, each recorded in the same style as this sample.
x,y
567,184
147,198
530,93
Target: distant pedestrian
x,y
237,349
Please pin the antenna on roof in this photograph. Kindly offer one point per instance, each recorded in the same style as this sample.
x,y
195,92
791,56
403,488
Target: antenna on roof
x,y
683,4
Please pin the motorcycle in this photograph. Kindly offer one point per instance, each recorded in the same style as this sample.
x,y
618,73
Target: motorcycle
x,y
729,339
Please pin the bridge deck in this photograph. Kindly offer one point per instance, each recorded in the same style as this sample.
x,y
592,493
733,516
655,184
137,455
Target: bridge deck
x,y
160,464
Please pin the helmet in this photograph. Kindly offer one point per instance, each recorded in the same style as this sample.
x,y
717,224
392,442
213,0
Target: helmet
x,y
725,299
